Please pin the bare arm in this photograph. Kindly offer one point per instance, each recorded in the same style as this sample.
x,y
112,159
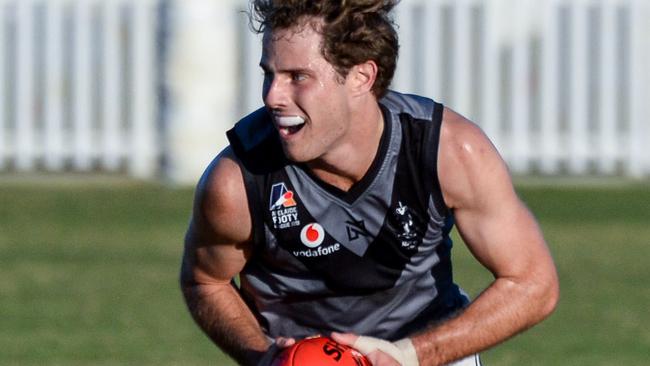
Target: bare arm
x,y
216,249
503,235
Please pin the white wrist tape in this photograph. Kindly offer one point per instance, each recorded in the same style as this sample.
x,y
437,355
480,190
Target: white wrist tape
x,y
402,351
408,350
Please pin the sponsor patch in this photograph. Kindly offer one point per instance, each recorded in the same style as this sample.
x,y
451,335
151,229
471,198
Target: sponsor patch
x,y
320,251
282,205
281,197
312,236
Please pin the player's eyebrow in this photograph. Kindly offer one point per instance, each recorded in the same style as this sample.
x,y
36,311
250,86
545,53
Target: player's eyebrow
x,y
297,70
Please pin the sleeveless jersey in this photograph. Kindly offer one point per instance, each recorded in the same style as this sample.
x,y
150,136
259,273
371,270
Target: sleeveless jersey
x,y
374,260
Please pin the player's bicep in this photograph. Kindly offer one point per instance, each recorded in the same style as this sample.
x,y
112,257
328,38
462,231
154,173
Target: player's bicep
x,y
507,241
497,228
209,261
217,243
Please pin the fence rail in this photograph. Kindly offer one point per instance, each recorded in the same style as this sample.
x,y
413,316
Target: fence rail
x,y
560,86
77,86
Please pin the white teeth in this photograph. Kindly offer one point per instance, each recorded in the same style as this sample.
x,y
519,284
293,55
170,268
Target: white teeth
x,y
289,121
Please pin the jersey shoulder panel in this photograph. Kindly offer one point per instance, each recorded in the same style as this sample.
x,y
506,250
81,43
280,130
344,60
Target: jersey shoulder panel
x,y
421,120
257,147
417,106
255,142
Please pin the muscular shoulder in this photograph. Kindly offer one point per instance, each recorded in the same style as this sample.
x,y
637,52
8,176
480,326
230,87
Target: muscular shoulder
x,y
220,205
468,163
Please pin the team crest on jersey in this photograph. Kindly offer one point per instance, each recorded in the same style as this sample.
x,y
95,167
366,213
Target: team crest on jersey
x,y
407,234
282,205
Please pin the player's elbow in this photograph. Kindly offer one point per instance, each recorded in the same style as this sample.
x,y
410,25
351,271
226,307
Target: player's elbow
x,y
186,287
547,294
553,296
186,279
190,291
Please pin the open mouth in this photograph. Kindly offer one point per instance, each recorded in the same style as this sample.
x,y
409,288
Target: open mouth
x,y
289,125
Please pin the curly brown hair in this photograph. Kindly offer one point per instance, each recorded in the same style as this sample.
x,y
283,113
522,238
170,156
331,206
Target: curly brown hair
x,y
354,31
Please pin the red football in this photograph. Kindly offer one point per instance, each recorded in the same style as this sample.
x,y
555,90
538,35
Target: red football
x,y
320,351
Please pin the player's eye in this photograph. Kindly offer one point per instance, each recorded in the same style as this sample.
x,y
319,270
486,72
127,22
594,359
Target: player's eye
x,y
297,76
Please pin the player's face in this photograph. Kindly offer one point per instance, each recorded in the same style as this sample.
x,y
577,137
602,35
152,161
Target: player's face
x,y
307,98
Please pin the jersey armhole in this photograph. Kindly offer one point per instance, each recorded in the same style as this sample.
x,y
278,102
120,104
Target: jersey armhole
x,y
254,205
431,159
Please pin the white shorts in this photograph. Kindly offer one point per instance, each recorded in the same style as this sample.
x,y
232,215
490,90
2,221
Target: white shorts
x,y
472,360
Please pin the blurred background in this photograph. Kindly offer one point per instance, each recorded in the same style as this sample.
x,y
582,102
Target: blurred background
x,y
111,109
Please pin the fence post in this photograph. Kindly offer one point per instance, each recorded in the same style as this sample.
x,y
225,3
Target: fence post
x,y
142,149
491,76
403,80
608,96
112,145
520,88
25,141
550,108
461,100
433,49
252,77
54,44
82,89
579,103
638,160
202,80
3,85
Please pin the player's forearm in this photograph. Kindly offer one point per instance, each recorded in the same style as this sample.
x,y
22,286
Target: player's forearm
x,y
225,318
506,308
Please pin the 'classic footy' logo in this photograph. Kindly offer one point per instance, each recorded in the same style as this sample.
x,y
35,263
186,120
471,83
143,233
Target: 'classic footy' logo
x,y
281,197
282,205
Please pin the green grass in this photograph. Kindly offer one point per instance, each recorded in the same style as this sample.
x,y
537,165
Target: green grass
x,y
88,275
600,237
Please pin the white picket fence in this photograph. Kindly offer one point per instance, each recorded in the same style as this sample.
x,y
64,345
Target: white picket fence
x,y
77,86
560,86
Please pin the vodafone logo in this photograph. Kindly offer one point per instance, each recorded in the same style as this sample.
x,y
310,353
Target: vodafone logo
x,y
312,235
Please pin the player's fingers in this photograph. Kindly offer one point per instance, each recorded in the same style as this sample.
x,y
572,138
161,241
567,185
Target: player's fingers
x,y
347,339
283,342
379,358
368,345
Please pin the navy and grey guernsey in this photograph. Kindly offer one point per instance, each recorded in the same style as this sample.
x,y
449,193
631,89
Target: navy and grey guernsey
x,y
374,260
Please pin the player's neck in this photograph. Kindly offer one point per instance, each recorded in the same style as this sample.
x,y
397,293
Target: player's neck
x,y
349,163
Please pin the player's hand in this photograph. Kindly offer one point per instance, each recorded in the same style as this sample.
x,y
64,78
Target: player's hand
x,y
283,342
381,352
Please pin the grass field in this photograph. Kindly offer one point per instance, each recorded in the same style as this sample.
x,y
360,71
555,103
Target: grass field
x,y
88,276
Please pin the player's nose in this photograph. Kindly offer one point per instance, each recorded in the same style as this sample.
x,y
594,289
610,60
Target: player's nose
x,y
275,93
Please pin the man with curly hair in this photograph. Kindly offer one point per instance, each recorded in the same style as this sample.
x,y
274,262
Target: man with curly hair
x,y
335,201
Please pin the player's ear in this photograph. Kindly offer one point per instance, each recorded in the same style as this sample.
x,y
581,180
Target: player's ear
x,y
361,77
